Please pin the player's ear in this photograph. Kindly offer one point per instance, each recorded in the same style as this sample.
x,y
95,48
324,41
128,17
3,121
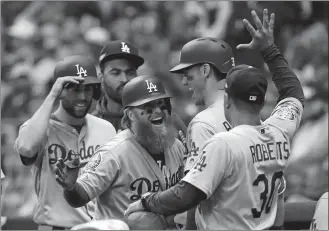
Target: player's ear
x,y
227,101
205,70
100,76
130,114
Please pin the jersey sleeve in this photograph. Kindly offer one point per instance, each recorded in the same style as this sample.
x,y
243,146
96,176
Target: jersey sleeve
x,y
26,160
197,135
99,173
287,116
213,166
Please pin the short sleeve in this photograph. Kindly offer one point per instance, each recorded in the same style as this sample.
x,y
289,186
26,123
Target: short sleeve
x,y
99,173
287,116
213,166
197,135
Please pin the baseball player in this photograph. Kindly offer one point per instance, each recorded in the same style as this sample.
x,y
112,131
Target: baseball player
x,y
145,157
204,63
119,61
239,188
67,133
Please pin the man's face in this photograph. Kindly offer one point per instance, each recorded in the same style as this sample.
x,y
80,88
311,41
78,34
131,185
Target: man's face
x,y
116,74
192,78
77,99
153,125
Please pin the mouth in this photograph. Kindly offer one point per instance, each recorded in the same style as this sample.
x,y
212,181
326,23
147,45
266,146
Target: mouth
x,y
80,105
157,120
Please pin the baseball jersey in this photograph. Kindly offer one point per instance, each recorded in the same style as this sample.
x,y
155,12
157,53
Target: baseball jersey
x,y
122,171
320,218
202,127
63,141
240,171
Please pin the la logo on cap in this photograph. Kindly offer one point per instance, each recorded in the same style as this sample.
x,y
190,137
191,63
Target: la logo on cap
x,y
150,86
81,71
124,47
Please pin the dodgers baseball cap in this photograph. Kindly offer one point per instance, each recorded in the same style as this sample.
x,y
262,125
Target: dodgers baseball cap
x,y
205,50
120,49
77,65
143,89
246,83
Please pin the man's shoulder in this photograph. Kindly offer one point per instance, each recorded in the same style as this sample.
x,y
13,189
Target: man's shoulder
x,y
118,144
209,116
98,121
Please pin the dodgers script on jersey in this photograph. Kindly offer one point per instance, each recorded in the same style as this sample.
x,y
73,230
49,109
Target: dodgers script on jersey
x,y
240,171
122,171
202,127
63,141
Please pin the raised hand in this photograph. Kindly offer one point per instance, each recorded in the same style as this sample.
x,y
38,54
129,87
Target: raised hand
x,y
262,36
62,82
67,176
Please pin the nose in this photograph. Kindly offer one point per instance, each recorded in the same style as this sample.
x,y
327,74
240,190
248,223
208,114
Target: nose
x,y
81,95
157,109
184,81
124,78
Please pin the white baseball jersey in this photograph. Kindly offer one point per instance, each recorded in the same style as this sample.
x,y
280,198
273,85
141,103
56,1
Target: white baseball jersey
x,y
240,171
122,171
63,141
320,218
202,127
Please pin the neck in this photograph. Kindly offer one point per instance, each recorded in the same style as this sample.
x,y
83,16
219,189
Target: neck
x,y
246,118
212,92
113,105
66,118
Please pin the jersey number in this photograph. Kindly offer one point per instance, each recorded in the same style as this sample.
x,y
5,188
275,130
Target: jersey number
x,y
263,196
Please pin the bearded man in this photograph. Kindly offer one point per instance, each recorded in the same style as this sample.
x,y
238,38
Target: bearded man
x,y
145,157
66,132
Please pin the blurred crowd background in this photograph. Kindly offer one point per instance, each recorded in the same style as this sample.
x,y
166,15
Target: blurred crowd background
x,y
35,35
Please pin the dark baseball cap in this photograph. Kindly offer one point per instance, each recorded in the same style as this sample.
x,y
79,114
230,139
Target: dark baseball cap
x,y
143,89
120,49
246,83
77,65
206,50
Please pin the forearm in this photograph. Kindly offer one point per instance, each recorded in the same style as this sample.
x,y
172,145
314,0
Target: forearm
x,y
179,198
284,78
30,137
76,197
190,220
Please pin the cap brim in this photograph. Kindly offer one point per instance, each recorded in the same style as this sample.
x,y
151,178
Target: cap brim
x,y
91,80
135,59
180,67
148,99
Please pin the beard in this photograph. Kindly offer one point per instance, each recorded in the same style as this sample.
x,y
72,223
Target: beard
x,y
75,111
155,138
115,94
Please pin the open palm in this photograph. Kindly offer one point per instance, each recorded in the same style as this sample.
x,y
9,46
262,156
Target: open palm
x,y
262,37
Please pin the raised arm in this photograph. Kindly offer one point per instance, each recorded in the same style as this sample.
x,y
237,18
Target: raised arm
x,y
284,78
33,132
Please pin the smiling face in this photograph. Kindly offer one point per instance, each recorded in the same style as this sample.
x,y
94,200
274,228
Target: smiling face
x,y
152,125
115,74
193,79
77,99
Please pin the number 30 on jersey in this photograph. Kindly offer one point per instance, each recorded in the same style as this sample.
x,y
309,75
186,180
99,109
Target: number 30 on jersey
x,y
266,199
